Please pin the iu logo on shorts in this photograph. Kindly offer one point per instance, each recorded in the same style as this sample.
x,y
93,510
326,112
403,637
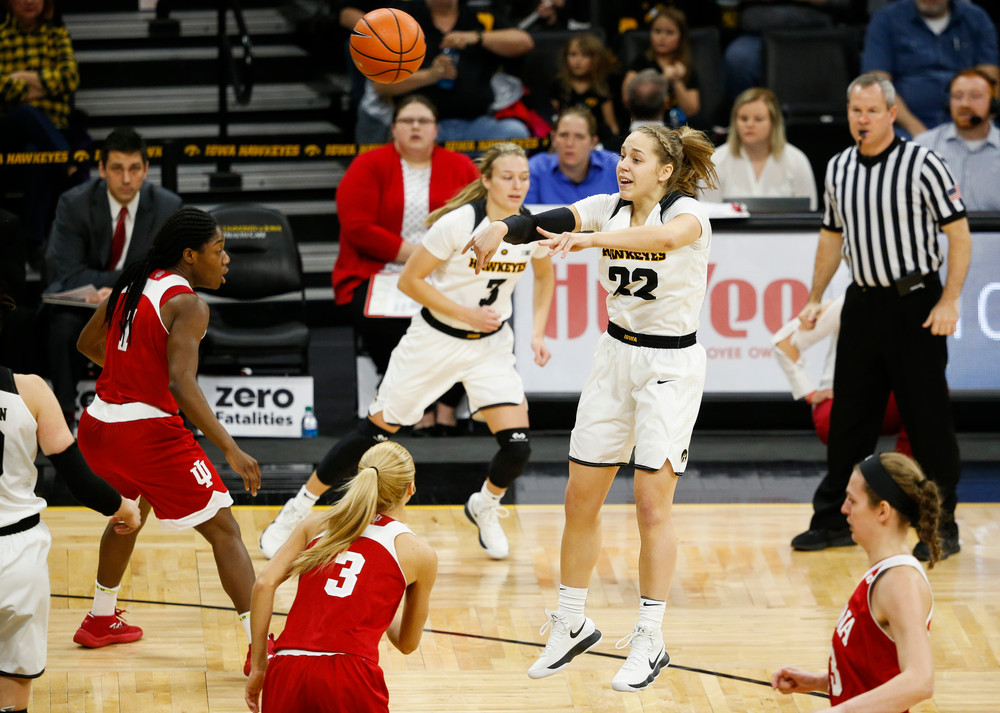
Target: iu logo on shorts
x,y
202,475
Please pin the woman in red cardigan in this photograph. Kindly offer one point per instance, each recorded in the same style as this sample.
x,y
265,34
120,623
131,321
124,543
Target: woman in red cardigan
x,y
382,202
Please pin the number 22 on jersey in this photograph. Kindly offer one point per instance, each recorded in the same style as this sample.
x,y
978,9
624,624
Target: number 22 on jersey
x,y
342,584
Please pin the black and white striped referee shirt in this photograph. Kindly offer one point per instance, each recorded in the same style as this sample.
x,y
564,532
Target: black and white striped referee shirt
x,y
890,209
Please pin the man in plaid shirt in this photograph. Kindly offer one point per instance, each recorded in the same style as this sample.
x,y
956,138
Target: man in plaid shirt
x,y
38,75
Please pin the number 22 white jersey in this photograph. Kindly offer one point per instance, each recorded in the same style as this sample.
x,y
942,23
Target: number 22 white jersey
x,y
657,293
456,277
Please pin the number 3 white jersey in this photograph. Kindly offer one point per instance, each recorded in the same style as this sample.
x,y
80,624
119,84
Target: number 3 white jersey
x,y
456,277
657,293
18,445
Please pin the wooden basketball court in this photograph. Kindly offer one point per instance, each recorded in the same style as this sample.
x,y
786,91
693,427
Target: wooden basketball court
x,y
741,605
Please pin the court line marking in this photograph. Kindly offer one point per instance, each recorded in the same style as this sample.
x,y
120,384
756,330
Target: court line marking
x,y
482,637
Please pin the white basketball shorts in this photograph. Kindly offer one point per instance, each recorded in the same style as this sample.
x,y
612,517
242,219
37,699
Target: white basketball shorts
x,y
24,601
427,362
639,397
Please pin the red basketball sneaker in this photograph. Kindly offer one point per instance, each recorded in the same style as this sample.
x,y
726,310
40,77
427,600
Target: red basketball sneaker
x,y
98,631
270,654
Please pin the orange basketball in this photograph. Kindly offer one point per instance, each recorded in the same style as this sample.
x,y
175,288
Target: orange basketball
x,y
387,45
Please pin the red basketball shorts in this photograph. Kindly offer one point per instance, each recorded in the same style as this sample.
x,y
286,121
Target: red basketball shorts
x,y
159,459
338,683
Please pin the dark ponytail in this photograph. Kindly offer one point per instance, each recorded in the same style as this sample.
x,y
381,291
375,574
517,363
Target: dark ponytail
x,y
187,228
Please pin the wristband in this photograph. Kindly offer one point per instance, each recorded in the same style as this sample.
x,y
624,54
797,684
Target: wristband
x,y
522,229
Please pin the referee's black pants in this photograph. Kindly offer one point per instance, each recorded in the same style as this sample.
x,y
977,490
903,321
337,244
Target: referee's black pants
x,y
883,348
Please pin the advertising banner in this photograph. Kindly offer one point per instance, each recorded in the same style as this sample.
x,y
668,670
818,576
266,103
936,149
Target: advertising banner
x,y
757,281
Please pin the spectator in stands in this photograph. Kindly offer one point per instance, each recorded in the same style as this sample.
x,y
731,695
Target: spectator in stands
x,y
582,81
920,45
646,98
743,56
670,54
460,84
382,202
970,142
544,15
756,160
38,75
100,227
576,169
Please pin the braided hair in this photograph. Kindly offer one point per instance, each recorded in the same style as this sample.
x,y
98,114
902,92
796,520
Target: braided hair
x,y
924,492
187,228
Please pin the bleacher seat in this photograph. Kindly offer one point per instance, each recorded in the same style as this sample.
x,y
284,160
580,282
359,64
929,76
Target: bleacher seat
x,y
809,70
258,315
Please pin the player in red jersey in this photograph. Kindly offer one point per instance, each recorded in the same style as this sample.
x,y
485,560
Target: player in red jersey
x,y
355,563
881,658
146,336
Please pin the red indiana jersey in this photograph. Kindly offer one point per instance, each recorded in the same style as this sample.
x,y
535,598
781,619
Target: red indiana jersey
x,y
136,370
347,605
863,656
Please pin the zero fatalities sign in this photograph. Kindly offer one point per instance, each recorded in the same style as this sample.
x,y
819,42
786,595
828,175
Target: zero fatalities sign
x,y
259,405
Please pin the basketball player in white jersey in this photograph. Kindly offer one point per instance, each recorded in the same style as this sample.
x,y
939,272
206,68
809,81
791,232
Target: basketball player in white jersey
x,y
31,416
461,335
645,388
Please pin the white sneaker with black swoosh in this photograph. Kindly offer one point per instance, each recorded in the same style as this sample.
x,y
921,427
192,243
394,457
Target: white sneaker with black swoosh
x,y
565,643
646,658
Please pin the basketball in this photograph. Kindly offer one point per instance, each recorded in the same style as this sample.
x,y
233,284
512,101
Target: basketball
x,y
387,45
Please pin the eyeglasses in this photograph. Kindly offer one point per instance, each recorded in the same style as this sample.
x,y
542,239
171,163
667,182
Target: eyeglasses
x,y
422,121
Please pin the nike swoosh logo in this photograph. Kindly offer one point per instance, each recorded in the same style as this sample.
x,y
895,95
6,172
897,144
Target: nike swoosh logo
x,y
574,634
650,604
666,381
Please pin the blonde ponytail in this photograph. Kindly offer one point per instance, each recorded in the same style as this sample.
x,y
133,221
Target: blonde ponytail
x,y
384,476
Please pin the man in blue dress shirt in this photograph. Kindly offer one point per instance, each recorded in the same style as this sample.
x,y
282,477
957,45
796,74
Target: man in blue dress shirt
x,y
577,169
920,45
970,142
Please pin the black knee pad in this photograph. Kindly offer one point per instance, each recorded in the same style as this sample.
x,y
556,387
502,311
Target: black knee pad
x,y
341,461
513,456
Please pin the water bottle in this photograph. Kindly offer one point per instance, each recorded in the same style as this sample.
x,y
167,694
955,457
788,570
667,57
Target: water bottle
x,y
444,82
676,118
310,428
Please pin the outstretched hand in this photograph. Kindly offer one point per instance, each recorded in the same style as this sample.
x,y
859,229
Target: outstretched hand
x,y
566,243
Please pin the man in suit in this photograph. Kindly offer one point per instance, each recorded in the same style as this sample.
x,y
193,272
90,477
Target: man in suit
x,y
99,228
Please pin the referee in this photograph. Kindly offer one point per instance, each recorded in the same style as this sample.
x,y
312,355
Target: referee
x,y
886,201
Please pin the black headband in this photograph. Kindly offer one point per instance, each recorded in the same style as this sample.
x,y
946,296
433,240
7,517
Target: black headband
x,y
887,488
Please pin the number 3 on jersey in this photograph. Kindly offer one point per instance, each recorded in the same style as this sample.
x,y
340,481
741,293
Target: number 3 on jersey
x,y
343,584
494,287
